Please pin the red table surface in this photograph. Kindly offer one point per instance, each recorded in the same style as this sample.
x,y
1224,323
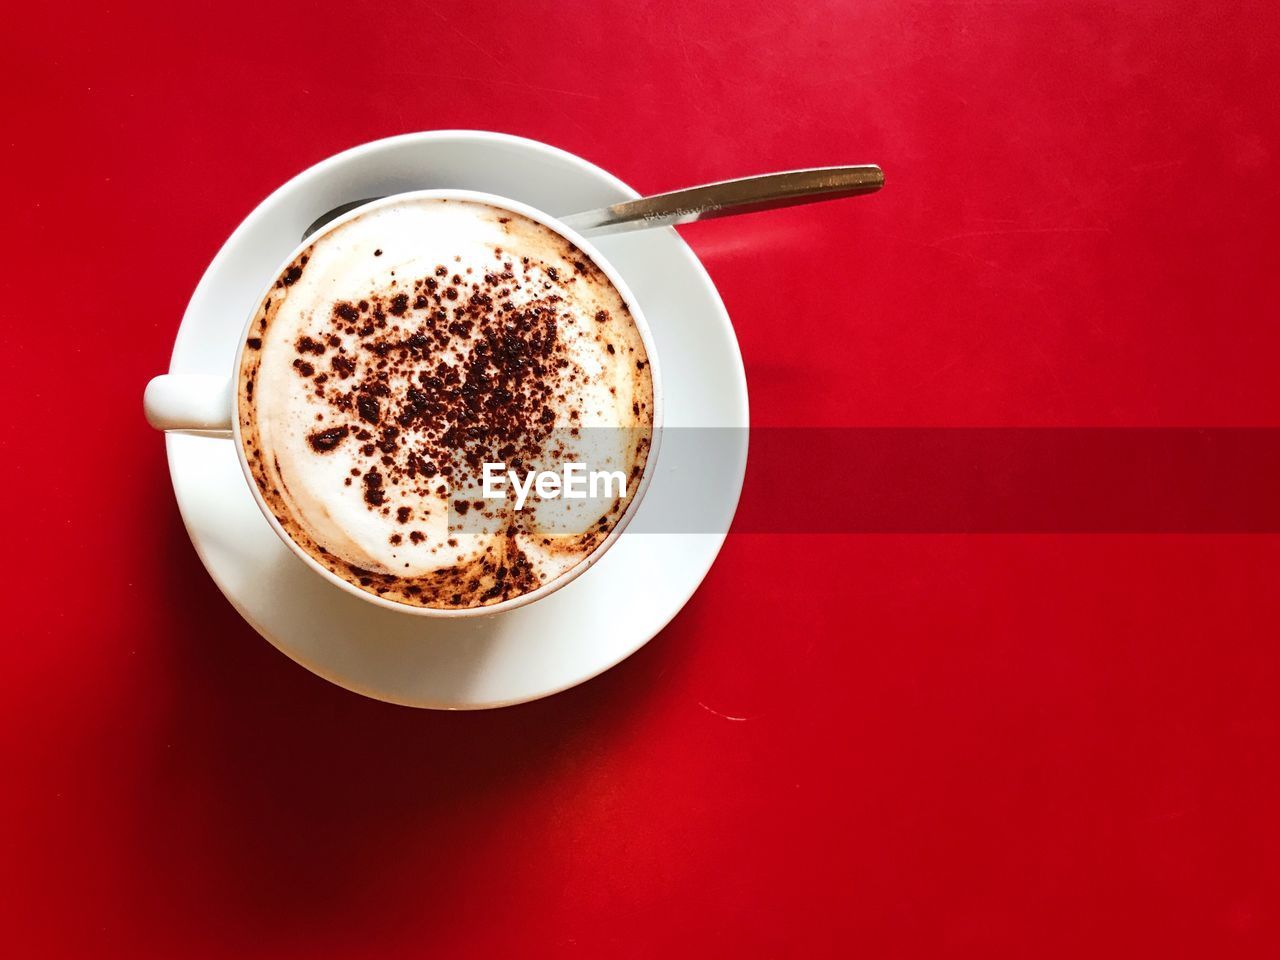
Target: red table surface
x,y
892,745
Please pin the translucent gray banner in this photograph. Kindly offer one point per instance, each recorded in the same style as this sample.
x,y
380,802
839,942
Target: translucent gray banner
x,y
960,480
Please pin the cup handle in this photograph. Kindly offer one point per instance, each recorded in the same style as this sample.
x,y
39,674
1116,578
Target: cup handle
x,y
192,402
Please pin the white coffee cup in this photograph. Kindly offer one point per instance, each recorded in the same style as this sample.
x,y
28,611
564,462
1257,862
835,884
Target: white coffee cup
x,y
205,404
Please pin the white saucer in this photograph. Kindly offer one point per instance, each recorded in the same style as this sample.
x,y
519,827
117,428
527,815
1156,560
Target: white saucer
x,y
582,630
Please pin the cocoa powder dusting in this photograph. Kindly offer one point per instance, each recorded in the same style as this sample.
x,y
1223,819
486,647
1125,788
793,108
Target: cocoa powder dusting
x,y
445,374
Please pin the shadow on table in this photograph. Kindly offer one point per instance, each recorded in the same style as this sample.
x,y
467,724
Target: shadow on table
x,y
290,803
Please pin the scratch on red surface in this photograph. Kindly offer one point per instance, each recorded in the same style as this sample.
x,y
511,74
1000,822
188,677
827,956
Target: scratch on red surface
x,y
722,716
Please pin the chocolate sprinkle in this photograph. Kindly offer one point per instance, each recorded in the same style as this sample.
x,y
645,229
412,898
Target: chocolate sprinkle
x,y
327,440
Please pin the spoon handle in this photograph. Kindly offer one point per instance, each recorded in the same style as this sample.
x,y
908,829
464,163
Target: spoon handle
x,y
728,197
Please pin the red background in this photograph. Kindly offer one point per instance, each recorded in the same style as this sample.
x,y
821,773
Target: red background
x,y
896,745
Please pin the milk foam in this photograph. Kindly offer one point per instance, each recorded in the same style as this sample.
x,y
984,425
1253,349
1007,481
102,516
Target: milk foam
x,y
424,268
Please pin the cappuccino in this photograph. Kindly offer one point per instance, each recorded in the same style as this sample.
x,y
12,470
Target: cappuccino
x,y
403,350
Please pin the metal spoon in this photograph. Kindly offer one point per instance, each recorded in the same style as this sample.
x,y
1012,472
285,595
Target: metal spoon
x,y
724,199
